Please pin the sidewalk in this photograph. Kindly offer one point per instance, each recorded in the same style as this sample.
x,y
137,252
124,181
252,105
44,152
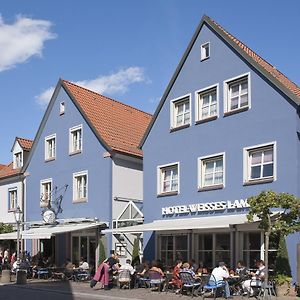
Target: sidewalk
x,y
83,290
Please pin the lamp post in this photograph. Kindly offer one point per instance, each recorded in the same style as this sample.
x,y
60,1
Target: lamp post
x,y
18,217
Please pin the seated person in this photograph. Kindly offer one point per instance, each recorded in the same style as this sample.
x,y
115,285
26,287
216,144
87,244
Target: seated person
x,y
175,275
127,266
68,268
187,268
221,273
155,267
256,279
83,264
193,265
241,270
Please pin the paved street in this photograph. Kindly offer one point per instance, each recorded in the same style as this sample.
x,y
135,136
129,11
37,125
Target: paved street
x,y
49,290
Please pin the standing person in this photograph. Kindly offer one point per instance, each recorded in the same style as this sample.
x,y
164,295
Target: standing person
x,y
221,274
102,274
257,278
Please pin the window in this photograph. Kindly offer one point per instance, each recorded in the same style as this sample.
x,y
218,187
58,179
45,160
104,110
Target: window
x,y
12,199
172,248
168,179
237,94
62,108
207,103
46,192
76,139
120,249
260,163
80,187
18,160
50,147
211,171
180,112
83,245
252,242
205,51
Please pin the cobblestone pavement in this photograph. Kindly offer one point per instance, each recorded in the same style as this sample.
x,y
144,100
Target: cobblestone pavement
x,y
56,290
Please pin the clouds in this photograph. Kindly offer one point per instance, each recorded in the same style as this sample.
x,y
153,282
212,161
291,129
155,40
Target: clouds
x,y
22,39
114,83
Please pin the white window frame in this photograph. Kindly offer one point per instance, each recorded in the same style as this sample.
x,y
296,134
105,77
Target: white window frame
x,y
160,168
16,165
71,131
11,191
246,163
62,107
172,111
198,104
202,51
226,84
75,175
47,139
201,160
44,203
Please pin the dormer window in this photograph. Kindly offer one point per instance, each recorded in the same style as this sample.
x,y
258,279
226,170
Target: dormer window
x,y
205,51
62,108
18,160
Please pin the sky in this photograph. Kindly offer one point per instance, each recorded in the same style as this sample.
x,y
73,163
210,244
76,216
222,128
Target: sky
x,y
124,49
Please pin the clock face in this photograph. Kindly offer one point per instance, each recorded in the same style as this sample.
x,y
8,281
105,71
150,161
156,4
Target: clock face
x,y
49,216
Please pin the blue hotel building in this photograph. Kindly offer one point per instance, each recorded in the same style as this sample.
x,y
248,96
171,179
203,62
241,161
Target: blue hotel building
x,y
227,127
84,174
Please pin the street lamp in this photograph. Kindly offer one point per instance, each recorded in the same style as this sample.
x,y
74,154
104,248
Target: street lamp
x,y
18,217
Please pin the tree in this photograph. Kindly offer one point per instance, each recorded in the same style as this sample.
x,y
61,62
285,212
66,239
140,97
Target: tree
x,y
136,252
6,228
102,254
277,213
282,264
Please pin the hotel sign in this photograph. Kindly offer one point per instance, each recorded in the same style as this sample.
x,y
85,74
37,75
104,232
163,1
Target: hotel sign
x,y
204,207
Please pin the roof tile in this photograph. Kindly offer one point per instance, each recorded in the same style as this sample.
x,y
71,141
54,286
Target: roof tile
x,y
119,125
26,144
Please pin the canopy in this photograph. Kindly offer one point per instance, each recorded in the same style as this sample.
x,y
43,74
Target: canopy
x,y
210,222
47,231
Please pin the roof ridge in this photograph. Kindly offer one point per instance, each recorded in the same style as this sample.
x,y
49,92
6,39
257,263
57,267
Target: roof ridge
x,y
114,100
18,137
243,46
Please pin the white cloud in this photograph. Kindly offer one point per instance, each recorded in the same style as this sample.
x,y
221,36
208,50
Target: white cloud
x,y
115,83
22,39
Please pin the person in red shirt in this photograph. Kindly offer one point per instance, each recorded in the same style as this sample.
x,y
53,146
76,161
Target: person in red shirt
x,y
176,279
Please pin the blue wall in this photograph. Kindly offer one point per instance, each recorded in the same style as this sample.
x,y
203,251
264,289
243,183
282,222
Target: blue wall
x,y
270,118
61,170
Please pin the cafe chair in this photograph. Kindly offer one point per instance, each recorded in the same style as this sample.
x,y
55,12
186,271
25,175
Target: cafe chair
x,y
156,280
124,279
212,286
43,273
189,284
81,275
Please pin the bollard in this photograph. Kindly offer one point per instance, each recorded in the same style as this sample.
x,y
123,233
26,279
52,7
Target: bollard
x,y
5,278
21,277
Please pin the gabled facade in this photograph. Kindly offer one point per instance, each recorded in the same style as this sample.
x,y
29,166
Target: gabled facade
x,y
86,155
12,181
227,128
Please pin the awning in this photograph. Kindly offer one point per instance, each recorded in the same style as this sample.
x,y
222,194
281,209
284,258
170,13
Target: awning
x,y
8,236
47,231
211,222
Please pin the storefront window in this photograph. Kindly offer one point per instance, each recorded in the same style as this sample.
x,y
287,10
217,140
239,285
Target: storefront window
x,y
251,249
75,249
173,247
205,250
222,252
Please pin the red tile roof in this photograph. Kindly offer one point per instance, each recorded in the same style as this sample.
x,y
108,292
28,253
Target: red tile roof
x,y
290,85
120,126
26,144
1,167
8,171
